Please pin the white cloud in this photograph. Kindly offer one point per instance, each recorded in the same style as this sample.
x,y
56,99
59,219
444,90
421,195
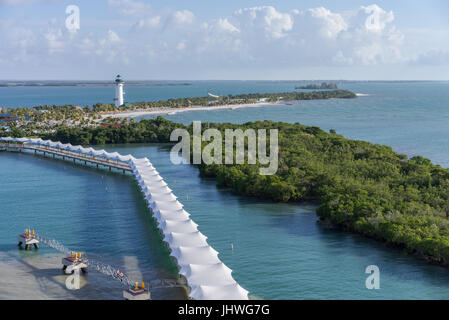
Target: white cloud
x,y
181,45
372,38
225,25
151,22
327,24
113,37
376,18
433,58
55,41
20,2
183,16
257,38
130,7
265,18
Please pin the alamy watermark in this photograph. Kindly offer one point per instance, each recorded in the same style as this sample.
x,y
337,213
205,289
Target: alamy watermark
x,y
372,22
212,152
73,281
72,22
373,280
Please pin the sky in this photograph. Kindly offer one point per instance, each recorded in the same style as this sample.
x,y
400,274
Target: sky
x,y
224,40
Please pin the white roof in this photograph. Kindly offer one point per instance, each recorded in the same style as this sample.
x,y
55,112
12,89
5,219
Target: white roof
x,y
192,239
161,197
68,146
175,215
98,153
126,158
158,184
76,148
35,141
158,188
195,255
228,292
88,150
171,205
184,226
113,155
147,172
217,274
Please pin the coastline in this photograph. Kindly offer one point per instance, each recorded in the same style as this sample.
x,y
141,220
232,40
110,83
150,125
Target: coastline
x,y
159,111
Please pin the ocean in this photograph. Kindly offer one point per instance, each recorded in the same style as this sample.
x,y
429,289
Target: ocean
x,y
279,250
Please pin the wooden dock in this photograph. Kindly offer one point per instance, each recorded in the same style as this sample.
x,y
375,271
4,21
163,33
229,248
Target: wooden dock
x,y
67,155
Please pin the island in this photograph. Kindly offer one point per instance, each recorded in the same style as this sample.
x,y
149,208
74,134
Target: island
x,y
48,118
322,86
359,186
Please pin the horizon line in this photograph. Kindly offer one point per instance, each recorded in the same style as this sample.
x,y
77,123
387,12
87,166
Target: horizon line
x,y
177,80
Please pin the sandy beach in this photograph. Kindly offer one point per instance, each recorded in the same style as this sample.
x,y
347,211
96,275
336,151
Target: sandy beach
x,y
159,111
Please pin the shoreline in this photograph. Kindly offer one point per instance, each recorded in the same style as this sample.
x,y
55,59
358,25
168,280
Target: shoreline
x,y
170,111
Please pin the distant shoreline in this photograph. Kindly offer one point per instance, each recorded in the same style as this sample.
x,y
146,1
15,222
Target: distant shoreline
x,y
12,84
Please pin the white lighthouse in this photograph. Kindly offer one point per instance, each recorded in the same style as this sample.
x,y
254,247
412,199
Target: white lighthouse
x,y
118,91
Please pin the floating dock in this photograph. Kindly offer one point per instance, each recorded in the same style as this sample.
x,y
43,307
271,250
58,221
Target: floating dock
x,y
73,262
207,277
28,239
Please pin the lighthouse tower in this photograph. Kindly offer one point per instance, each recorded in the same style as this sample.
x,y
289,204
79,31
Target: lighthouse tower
x,y
118,91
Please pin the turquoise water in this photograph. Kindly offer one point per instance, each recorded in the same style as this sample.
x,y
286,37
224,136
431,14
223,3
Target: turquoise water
x,y
413,118
88,210
280,252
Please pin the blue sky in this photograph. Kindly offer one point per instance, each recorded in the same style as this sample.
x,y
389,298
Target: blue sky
x,y
213,39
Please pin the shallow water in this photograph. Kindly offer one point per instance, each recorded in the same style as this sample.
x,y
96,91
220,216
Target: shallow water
x,y
280,252
88,210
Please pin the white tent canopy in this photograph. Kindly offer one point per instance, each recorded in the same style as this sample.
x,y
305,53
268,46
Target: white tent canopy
x,y
76,148
217,274
186,226
175,215
162,216
195,255
172,205
35,141
228,292
158,184
192,239
68,146
160,197
158,188
97,153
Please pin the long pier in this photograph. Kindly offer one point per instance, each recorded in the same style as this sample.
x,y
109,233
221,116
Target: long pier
x,y
207,277
67,155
